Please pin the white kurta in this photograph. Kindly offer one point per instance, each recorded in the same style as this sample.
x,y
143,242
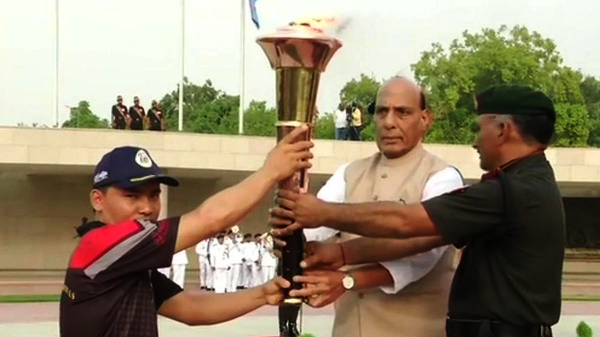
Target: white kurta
x,y
406,270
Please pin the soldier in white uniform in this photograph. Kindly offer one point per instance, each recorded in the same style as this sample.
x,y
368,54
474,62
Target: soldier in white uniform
x,y
203,264
228,242
241,282
247,265
236,256
180,261
220,263
176,272
253,261
407,297
210,276
269,260
167,271
257,271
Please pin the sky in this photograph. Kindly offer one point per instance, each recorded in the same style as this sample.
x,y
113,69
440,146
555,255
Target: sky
x,y
133,47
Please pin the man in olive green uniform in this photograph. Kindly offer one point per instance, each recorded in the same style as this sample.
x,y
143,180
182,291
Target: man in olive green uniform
x,y
137,115
156,119
119,114
511,224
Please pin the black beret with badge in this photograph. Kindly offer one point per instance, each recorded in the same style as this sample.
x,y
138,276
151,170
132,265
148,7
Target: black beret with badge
x,y
514,100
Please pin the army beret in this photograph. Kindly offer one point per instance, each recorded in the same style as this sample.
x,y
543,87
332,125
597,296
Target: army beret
x,y
514,100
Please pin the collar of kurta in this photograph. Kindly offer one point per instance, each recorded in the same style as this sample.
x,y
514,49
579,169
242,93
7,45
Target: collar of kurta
x,y
416,152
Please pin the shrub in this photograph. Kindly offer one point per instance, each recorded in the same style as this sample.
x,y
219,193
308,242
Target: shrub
x,y
583,330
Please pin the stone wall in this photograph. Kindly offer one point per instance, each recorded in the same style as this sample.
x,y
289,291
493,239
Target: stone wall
x,y
38,213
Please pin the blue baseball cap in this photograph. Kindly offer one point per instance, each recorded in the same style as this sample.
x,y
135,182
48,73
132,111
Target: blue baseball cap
x,y
127,167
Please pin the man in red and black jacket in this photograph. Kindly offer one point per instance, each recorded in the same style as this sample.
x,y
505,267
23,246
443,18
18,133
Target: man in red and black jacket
x,y
112,287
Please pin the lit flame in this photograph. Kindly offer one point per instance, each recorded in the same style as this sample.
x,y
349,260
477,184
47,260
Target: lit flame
x,y
322,24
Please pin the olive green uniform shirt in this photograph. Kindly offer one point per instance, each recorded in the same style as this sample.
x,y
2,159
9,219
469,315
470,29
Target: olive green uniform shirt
x,y
512,227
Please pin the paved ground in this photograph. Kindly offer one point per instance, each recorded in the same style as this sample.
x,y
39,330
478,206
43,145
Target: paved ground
x,y
40,320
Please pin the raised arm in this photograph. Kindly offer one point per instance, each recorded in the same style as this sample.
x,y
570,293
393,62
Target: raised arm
x,y
455,216
228,207
374,219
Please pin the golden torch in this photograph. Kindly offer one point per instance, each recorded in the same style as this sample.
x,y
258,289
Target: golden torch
x,y
298,54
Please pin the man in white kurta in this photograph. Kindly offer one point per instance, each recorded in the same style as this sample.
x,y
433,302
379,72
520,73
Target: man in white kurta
x,y
406,297
403,271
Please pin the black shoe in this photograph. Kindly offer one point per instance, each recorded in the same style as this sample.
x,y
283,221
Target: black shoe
x,y
288,329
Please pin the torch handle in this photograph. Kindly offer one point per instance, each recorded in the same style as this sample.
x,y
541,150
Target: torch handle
x,y
293,252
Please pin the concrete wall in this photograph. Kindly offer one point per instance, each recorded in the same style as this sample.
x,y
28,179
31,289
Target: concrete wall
x,y
73,149
45,179
38,213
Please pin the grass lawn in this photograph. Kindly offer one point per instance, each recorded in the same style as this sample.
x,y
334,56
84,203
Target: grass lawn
x,y
29,298
56,298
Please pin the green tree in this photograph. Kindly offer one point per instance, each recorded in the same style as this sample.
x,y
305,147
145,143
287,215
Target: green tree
x,y
325,127
590,88
362,91
502,56
82,117
205,109
260,120
571,125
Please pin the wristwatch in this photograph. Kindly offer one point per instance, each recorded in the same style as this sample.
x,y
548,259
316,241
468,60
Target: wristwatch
x,y
348,282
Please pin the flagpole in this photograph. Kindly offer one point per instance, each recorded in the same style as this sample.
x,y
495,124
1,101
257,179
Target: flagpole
x,y
242,65
182,65
56,52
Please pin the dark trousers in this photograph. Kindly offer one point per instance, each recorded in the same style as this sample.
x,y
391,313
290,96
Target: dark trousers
x,y
137,125
341,133
354,132
487,328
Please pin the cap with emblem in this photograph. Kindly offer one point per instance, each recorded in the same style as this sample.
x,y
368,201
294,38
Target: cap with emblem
x,y
514,100
127,167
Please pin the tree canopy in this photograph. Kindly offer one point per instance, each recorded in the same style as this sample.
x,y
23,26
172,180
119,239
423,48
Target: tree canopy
x,y
451,76
476,61
82,117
